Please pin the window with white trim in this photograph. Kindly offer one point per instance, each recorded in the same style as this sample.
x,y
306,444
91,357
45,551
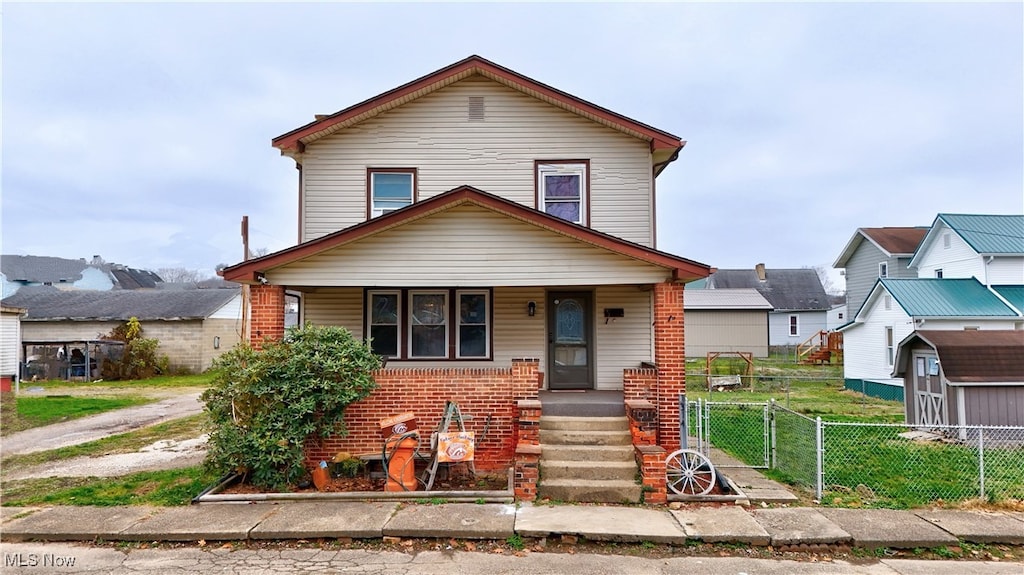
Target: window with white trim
x,y
890,347
938,273
562,190
883,270
430,323
794,325
390,189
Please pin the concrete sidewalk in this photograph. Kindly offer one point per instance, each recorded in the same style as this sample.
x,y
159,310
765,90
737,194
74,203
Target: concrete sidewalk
x,y
101,425
780,527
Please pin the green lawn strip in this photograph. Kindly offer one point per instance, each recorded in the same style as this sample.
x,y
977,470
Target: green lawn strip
x,y
35,411
162,381
177,430
161,488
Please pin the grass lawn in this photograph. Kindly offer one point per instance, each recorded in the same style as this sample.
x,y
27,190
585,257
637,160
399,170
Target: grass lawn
x,y
57,400
172,487
34,411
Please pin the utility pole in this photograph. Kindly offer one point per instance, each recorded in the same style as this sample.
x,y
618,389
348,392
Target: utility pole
x,y
246,328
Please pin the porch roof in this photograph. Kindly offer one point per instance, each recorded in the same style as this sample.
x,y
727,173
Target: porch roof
x,y
676,267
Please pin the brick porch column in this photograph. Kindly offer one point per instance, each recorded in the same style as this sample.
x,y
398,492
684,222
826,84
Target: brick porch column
x,y
266,316
670,357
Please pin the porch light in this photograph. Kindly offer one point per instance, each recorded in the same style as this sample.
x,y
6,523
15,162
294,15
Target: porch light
x,y
531,308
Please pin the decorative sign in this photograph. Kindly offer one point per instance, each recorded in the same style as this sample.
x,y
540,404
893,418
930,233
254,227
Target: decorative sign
x,y
455,447
398,424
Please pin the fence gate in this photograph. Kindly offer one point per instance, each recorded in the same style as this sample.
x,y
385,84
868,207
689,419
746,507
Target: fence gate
x,y
741,429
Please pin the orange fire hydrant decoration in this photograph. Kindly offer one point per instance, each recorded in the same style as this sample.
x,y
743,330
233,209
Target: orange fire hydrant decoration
x,y
400,449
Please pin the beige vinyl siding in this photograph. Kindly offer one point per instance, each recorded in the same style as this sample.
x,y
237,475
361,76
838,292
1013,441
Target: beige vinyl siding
x,y
466,246
496,155
335,306
726,330
625,342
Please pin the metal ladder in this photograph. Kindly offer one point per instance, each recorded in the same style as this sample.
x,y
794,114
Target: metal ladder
x,y
451,414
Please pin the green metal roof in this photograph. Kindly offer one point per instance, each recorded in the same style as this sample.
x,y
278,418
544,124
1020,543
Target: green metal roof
x,y
933,297
989,234
1012,294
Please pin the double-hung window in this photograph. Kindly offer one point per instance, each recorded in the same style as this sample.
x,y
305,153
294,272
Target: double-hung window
x,y
883,270
563,189
890,346
430,323
389,189
794,325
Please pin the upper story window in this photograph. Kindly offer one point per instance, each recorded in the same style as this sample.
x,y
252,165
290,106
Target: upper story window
x,y
938,273
563,189
946,242
883,270
389,189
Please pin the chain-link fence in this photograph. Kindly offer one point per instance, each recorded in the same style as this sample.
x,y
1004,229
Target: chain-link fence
x,y
866,464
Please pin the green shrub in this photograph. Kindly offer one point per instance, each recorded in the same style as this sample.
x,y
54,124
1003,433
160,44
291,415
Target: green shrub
x,y
265,404
139,359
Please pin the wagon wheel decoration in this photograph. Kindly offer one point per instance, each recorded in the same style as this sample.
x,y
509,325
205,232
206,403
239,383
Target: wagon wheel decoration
x,y
689,472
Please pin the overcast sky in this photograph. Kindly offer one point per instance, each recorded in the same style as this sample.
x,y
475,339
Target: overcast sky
x,y
141,132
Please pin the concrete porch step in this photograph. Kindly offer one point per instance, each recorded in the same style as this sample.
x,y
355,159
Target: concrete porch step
x,y
589,453
590,490
599,470
569,423
571,437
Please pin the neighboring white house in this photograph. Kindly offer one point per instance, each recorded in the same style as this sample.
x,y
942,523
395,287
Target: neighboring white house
x,y
10,345
897,307
838,315
969,271
987,247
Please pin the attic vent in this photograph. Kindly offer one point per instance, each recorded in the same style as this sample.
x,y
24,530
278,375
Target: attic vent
x,y
476,108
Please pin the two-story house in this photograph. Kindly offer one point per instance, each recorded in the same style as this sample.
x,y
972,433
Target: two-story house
x,y
874,253
966,273
492,236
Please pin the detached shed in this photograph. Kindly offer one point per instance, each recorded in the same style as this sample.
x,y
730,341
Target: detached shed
x,y
962,378
726,320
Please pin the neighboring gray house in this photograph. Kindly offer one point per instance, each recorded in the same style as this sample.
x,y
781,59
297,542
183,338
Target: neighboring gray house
x,y
193,326
800,304
725,320
874,253
17,272
973,377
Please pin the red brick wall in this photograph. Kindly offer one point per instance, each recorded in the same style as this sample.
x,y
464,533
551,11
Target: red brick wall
x,y
640,384
489,395
670,357
267,313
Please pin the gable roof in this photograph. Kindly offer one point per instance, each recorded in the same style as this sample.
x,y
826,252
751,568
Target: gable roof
x,y
47,303
728,299
935,297
892,241
986,234
785,289
972,356
682,268
54,270
664,145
